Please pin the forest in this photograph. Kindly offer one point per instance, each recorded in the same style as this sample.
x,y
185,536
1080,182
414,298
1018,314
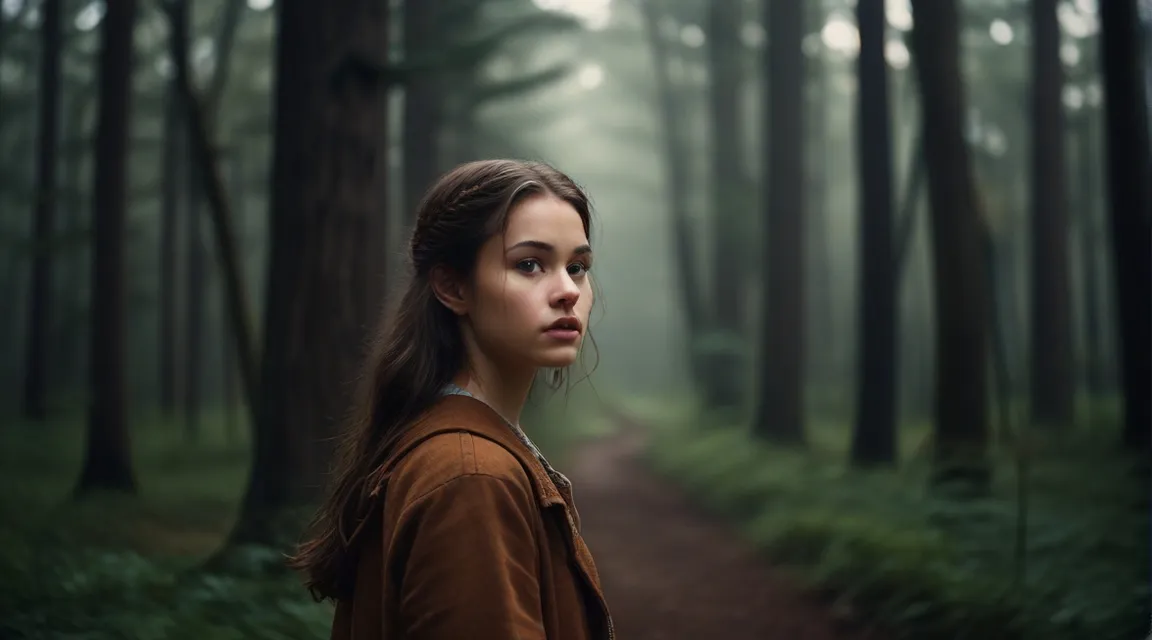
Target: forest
x,y
826,401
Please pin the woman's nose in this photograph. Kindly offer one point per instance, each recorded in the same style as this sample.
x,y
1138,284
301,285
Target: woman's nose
x,y
566,293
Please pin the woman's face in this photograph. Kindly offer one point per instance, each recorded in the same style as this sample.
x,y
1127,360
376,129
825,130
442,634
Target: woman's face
x,y
531,295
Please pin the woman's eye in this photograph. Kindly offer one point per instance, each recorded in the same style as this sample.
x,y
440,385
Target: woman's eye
x,y
528,266
577,269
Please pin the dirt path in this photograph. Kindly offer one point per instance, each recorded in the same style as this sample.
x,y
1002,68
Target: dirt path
x,y
670,572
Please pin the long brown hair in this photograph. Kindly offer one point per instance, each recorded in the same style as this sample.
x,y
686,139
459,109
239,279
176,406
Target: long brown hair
x,y
418,348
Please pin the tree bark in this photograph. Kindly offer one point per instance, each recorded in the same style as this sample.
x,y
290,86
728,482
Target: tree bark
x,y
1052,390
107,461
44,217
961,408
1130,213
326,266
874,436
724,379
780,411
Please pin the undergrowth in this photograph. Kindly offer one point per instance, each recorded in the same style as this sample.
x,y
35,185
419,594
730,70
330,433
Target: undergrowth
x,y
884,550
126,566
115,566
70,593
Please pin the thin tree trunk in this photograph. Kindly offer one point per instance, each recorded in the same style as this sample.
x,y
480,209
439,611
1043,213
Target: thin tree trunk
x,y
44,217
231,430
676,173
193,305
998,259
1052,388
1090,246
821,306
107,461
915,364
905,230
780,411
723,381
874,436
175,151
197,274
225,41
961,436
194,252
1130,213
204,157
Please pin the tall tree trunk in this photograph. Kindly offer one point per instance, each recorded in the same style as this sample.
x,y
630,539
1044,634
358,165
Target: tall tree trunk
x,y
821,306
107,458
1090,247
780,411
423,105
194,252
723,380
874,437
1052,390
228,342
194,284
326,279
171,187
44,217
961,437
1130,212
676,172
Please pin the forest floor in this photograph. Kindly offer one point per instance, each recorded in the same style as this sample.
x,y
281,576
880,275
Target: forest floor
x,y
670,571
705,531
698,533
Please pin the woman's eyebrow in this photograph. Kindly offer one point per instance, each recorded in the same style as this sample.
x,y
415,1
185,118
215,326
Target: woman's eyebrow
x,y
544,246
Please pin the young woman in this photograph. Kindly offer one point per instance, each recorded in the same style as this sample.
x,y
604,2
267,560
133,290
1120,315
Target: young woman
x,y
445,522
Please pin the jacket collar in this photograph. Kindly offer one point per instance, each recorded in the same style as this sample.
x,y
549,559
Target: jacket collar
x,y
465,414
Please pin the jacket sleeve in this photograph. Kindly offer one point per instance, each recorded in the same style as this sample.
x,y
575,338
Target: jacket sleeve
x,y
471,565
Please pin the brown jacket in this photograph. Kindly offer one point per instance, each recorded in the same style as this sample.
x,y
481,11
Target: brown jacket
x,y
476,541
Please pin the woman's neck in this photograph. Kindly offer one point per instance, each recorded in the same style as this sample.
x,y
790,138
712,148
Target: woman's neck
x,y
504,391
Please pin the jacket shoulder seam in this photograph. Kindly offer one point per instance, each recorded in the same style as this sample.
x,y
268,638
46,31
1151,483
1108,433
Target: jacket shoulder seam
x,y
454,479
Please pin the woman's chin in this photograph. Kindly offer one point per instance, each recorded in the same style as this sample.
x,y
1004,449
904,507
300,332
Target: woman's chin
x,y
558,357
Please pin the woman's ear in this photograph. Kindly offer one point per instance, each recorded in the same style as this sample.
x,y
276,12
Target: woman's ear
x,y
449,290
